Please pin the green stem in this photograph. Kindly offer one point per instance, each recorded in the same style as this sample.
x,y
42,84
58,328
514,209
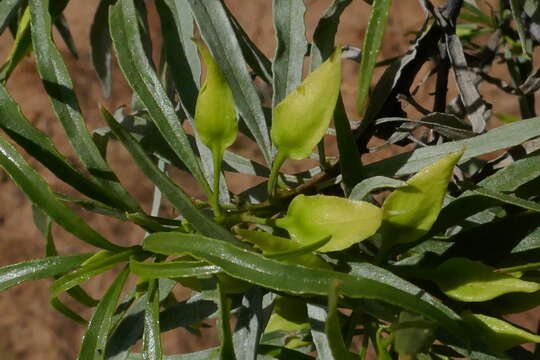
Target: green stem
x,y
526,267
274,174
217,155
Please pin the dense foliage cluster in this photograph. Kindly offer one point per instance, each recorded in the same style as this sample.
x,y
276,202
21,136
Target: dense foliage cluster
x,y
418,255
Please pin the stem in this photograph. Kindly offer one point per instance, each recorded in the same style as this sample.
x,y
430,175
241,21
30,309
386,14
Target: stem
x,y
274,174
217,155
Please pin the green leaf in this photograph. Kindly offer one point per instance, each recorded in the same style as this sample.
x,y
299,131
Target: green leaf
x,y
410,211
287,66
333,327
361,190
40,146
15,274
300,121
145,82
471,281
289,314
100,45
271,244
181,52
498,334
22,46
218,33
215,114
318,316
95,339
37,190
249,266
370,50
496,139
105,262
151,336
200,221
8,9
59,87
514,175
172,269
310,218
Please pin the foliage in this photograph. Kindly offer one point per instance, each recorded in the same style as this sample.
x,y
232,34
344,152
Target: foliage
x,y
424,265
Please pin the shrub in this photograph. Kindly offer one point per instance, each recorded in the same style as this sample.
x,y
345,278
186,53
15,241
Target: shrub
x,y
420,253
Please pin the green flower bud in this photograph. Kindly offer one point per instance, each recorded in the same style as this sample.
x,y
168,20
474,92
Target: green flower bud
x,y
215,114
301,119
411,210
311,218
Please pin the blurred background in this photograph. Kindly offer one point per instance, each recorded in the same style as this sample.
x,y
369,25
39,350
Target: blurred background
x,y
30,329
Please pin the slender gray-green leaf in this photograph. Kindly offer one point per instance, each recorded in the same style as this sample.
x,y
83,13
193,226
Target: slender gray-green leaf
x,y
506,198
172,269
218,33
255,58
175,194
370,50
177,29
439,122
360,191
142,78
63,29
40,146
496,139
37,190
59,87
513,176
151,336
15,274
95,339
291,46
100,45
8,9
295,279
105,261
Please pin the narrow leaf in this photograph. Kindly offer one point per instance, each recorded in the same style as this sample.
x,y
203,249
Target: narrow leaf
x,y
106,262
8,9
100,45
95,339
291,46
151,336
37,190
370,50
332,327
59,87
257,269
226,349
15,274
172,269
143,79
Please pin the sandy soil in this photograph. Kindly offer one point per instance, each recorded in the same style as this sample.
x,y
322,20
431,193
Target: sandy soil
x,y
30,328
